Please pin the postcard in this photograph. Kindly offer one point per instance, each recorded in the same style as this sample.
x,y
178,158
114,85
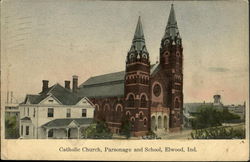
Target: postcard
x,y
124,80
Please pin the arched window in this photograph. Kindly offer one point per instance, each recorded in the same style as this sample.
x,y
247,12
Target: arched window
x,y
131,101
127,113
106,108
176,103
159,122
140,115
145,122
132,121
178,57
134,80
118,108
132,57
143,101
165,122
96,107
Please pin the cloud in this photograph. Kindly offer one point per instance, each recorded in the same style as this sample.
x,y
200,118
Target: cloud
x,y
218,69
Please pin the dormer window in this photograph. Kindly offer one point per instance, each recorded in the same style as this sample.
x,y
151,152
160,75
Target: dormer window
x,y
51,100
144,56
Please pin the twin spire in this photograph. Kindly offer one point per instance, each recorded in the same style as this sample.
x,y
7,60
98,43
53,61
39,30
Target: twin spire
x,y
171,31
138,44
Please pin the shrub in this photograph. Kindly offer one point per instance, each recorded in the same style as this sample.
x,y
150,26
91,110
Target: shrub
x,y
219,133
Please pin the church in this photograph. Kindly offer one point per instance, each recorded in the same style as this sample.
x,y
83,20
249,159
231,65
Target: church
x,y
149,96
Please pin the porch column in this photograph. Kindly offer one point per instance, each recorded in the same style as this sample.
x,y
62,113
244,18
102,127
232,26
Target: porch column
x,y
85,133
47,133
67,133
78,131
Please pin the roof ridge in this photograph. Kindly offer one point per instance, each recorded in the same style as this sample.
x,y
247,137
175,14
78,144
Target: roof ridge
x,y
108,73
52,87
33,94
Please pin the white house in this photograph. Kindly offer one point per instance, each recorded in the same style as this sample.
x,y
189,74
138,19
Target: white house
x,y
56,112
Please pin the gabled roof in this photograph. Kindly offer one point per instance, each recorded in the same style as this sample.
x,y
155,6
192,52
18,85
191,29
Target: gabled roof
x,y
154,68
107,85
105,78
103,90
26,118
63,95
34,99
195,107
65,122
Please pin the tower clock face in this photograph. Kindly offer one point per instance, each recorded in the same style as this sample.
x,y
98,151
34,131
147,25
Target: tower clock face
x,y
157,90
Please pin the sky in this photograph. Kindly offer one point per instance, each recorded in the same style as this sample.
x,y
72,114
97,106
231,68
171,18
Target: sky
x,y
56,39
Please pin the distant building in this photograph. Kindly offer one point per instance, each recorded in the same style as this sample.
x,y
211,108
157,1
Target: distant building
x,y
190,109
238,110
56,112
12,109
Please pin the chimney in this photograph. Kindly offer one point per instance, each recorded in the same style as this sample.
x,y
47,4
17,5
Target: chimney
x,y
67,84
75,83
45,85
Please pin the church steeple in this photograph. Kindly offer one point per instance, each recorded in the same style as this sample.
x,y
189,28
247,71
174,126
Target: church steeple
x,y
171,61
138,48
171,31
137,84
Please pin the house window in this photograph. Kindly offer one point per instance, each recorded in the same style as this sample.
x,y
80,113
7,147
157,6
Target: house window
x,y
28,111
50,112
50,100
21,130
68,113
34,113
84,112
27,130
50,133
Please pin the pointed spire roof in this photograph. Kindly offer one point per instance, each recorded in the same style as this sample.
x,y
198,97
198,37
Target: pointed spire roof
x,y
172,28
138,43
139,31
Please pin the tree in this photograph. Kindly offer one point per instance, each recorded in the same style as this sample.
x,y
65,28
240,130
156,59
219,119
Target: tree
x,y
99,130
219,133
90,131
207,116
126,127
229,117
11,127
